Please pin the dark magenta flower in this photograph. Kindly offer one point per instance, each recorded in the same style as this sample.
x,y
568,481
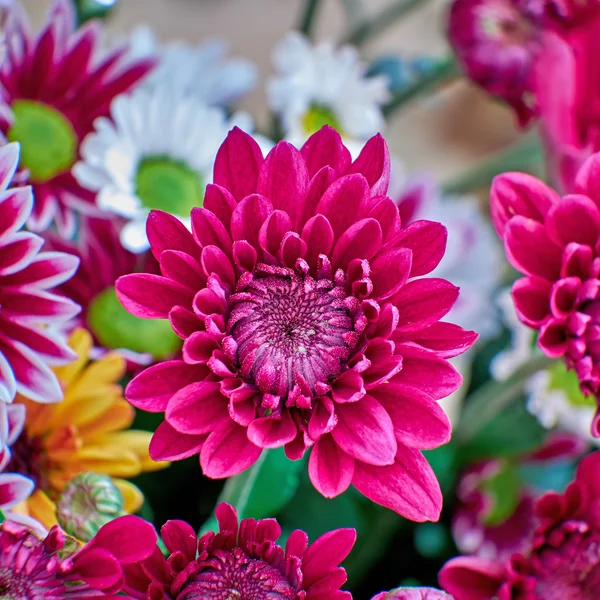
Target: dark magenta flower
x,y
307,323
242,561
563,560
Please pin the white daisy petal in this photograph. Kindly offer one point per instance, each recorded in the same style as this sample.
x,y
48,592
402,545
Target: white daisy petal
x,y
133,235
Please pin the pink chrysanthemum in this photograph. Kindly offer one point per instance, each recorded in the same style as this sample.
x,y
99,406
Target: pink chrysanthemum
x,y
496,43
306,324
562,562
242,561
31,568
103,259
27,307
53,87
413,594
555,243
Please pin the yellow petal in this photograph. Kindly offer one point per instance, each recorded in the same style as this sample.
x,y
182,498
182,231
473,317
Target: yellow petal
x,y
119,416
132,495
115,461
108,369
83,409
38,416
81,342
42,509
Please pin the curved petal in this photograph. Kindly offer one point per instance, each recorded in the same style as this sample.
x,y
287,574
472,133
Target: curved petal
x,y
330,469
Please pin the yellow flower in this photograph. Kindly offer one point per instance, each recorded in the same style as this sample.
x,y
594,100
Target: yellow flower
x,y
86,432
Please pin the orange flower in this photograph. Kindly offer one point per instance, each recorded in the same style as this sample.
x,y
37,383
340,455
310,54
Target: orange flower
x,y
86,432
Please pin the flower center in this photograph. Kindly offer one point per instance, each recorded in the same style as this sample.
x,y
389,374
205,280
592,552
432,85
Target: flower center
x,y
13,586
319,115
291,331
571,570
48,140
115,328
27,458
235,576
168,185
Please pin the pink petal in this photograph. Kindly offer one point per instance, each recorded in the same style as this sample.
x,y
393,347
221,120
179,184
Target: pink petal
x,y
588,179
318,185
389,272
348,387
386,212
9,159
318,235
15,206
98,568
574,219
215,262
238,163
384,363
427,240
220,202
209,230
531,296
14,489
228,451
325,148
444,339
152,389
424,370
45,271
408,486
181,268
330,469
166,232
344,202
530,250
197,408
180,536
423,302
472,578
326,553
373,163
553,339
276,225
284,179
519,194
248,217
272,431
151,296
419,421
365,432
17,251
361,240
168,444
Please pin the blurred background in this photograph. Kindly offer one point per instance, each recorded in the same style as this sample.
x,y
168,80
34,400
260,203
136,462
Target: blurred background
x,y
447,134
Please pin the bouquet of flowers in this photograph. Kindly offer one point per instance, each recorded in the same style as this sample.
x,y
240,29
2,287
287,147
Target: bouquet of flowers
x,y
245,360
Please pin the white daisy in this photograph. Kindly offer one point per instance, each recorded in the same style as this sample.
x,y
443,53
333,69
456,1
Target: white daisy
x,y
157,151
324,85
202,71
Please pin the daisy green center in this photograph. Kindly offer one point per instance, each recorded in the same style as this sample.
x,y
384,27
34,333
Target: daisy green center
x,y
48,140
319,115
115,328
169,185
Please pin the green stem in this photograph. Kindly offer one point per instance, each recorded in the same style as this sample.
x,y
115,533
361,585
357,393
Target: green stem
x,y
387,17
493,397
307,19
524,155
237,489
442,72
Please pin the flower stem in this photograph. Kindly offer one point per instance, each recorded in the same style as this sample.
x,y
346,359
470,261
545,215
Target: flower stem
x,y
307,19
443,71
492,398
387,17
524,155
237,490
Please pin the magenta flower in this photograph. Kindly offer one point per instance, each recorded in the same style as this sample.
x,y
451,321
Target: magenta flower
x,y
496,43
306,322
562,561
31,568
555,243
412,594
242,561
54,84
27,306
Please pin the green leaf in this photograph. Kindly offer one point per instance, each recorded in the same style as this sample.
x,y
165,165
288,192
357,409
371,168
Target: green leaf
x,y
504,490
2,517
264,489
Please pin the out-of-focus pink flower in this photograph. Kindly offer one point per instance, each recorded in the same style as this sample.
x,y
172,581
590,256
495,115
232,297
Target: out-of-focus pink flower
x,y
555,243
307,324
53,87
496,43
242,560
32,568
29,308
413,594
562,561
483,527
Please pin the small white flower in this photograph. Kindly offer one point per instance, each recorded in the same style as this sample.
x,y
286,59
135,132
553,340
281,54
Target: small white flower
x,y
158,151
321,84
202,71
